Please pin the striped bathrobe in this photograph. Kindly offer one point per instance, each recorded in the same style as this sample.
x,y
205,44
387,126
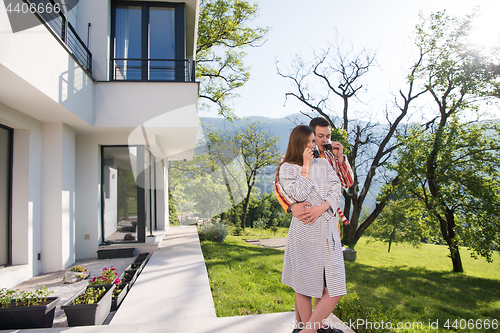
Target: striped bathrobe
x,y
313,253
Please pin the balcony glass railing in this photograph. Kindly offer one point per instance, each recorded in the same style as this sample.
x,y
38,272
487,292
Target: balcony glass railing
x,y
58,23
133,69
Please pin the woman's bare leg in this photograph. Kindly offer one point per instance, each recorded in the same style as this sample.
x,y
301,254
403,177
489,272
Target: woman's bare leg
x,y
298,320
323,308
304,308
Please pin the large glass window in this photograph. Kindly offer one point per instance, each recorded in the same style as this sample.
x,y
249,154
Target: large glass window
x,y
128,43
5,194
127,194
148,41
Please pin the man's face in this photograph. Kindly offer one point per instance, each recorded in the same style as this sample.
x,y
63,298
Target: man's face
x,y
322,136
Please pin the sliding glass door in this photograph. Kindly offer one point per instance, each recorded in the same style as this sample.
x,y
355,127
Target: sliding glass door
x,y
127,194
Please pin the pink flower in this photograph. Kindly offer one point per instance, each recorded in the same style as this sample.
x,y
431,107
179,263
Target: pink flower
x,y
117,281
93,280
104,269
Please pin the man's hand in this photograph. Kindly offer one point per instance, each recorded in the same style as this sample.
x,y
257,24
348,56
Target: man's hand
x,y
338,151
301,210
307,214
304,212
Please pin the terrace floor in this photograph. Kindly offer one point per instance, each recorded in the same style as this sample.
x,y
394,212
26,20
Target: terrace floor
x,y
172,294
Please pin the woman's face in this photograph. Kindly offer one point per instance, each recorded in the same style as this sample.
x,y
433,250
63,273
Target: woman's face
x,y
311,142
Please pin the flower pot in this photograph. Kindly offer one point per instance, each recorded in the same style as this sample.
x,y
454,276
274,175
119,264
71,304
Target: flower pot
x,y
89,314
115,253
140,262
34,316
134,274
118,299
144,256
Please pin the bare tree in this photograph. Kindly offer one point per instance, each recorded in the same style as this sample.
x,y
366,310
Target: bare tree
x,y
336,74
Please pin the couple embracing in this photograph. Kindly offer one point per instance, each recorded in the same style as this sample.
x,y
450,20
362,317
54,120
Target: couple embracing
x,y
310,187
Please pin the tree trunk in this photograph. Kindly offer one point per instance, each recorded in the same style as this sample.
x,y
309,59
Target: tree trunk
x,y
455,258
391,237
245,207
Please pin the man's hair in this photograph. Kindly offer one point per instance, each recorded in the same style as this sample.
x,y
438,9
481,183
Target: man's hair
x,y
296,144
319,121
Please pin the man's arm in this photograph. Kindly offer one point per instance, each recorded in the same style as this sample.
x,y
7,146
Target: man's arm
x,y
298,209
344,172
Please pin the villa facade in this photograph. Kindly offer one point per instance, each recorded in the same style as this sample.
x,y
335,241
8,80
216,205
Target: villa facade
x,y
94,103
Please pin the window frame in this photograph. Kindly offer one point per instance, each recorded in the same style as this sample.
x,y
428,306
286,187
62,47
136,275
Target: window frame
x,y
180,43
9,192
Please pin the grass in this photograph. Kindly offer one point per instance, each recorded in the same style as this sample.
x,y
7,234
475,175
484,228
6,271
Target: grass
x,y
414,285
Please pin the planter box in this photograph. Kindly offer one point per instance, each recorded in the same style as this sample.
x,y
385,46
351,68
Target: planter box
x,y
135,274
117,300
115,253
89,314
36,316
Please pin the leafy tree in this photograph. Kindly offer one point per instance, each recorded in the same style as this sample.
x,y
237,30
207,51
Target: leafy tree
x,y
337,74
400,221
241,155
461,195
199,184
449,164
173,218
223,32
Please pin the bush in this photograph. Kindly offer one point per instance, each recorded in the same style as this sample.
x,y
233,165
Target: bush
x,y
260,224
352,308
238,230
215,232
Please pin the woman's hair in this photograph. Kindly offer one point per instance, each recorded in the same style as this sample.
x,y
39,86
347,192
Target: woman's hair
x,y
296,144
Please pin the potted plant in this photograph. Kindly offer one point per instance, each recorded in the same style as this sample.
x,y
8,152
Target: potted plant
x,y
108,276
131,275
21,310
90,306
115,253
119,294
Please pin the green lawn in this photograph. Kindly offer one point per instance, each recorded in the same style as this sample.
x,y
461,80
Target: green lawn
x,y
413,285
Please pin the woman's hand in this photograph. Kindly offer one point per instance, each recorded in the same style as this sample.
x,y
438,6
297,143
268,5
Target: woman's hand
x,y
308,158
314,212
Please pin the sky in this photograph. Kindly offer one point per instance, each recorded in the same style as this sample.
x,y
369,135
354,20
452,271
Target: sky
x,y
384,26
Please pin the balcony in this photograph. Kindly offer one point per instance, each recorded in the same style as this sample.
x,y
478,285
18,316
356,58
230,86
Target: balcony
x,y
61,28
130,69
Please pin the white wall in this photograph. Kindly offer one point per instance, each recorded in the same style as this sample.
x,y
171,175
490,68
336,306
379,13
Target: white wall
x,y
40,61
111,202
161,196
88,189
26,197
58,192
98,14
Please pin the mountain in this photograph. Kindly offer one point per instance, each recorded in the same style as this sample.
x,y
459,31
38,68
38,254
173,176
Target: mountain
x,y
281,127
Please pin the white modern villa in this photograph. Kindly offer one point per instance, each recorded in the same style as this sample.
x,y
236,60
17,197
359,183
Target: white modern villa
x,y
94,103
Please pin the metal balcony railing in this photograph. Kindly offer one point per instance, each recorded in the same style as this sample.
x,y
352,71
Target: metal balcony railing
x,y
135,69
57,21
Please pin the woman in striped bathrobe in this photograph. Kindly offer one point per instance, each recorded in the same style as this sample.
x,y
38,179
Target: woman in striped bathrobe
x,y
313,264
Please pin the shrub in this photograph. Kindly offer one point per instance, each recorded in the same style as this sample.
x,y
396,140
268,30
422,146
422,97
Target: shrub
x,y
215,232
238,230
352,308
260,223
78,269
